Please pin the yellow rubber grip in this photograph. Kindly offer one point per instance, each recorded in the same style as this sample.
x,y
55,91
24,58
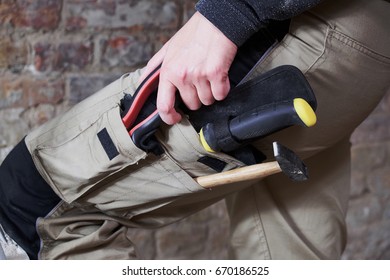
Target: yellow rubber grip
x,y
305,112
204,142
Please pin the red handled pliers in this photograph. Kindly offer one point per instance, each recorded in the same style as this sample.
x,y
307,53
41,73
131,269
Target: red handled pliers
x,y
141,131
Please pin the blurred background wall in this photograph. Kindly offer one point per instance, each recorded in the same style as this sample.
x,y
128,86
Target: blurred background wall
x,y
54,53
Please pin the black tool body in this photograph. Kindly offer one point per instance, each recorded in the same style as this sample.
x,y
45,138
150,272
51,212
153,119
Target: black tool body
x,y
259,122
139,112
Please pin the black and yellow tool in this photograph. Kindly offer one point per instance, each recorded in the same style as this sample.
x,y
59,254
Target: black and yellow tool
x,y
260,122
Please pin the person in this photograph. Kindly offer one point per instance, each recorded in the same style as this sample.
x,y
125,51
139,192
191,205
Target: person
x,y
85,203
343,48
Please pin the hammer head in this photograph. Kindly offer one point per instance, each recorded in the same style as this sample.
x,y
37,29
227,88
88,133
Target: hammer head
x,y
290,163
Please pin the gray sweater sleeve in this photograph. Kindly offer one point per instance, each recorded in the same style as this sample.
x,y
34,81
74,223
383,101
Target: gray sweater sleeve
x,y
239,19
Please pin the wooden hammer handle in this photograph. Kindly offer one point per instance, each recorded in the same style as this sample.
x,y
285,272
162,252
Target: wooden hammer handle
x,y
245,173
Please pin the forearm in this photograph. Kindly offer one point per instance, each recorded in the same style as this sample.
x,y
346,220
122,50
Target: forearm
x,y
239,19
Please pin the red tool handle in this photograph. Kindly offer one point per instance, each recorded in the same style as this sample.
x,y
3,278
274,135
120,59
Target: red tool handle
x,y
145,89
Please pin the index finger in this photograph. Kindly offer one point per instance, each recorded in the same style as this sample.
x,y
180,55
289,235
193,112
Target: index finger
x,y
166,102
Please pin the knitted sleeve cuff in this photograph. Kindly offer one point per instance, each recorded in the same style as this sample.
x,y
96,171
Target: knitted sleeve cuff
x,y
239,19
233,23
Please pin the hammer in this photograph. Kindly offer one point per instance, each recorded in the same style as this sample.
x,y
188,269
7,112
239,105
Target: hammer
x,y
286,161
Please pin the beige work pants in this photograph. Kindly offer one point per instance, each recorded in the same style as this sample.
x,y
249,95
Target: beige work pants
x,y
343,47
103,197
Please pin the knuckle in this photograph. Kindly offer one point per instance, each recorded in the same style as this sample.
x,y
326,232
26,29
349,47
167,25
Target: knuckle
x,y
221,95
164,109
174,74
217,73
222,92
207,99
181,74
199,74
193,105
196,106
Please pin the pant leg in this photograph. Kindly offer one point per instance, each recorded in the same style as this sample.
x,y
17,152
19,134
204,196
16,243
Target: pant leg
x,y
108,186
343,49
284,220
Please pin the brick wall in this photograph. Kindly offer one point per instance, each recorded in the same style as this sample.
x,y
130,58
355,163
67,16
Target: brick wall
x,y
54,53
369,213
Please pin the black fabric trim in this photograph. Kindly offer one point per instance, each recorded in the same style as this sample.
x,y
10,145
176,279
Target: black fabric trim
x,y
24,197
248,155
214,163
107,143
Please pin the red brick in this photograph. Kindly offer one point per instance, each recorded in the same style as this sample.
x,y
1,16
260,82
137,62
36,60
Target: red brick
x,y
64,57
37,14
40,114
189,9
7,10
126,51
83,1
13,55
73,56
75,23
82,86
43,53
27,92
119,14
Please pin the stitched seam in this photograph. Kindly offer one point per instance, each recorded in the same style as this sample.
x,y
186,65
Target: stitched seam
x,y
260,227
178,179
131,152
348,41
322,53
157,180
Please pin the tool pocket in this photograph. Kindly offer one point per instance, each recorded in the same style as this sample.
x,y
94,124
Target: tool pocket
x,y
156,182
84,146
87,156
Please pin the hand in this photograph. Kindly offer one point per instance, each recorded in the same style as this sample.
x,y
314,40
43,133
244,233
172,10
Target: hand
x,y
195,62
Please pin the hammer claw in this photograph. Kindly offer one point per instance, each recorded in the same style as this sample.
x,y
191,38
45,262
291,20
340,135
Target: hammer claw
x,y
290,163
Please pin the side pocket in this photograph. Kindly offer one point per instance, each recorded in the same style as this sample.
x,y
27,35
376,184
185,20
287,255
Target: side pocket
x,y
86,154
184,149
156,182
